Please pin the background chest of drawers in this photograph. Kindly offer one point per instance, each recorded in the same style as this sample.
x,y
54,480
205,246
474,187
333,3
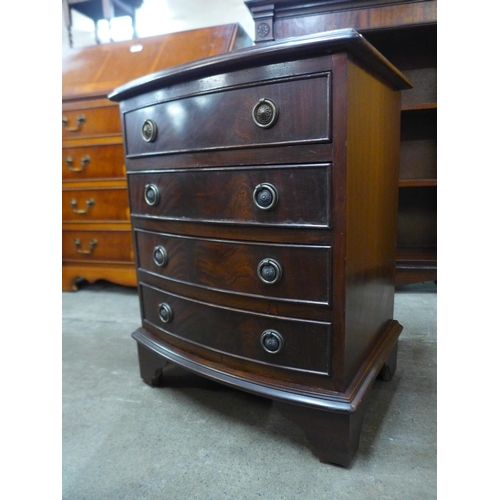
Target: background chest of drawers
x,y
97,238
405,31
263,191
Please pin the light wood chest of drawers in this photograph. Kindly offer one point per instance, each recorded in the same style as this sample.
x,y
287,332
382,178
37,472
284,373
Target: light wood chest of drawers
x,y
97,236
263,194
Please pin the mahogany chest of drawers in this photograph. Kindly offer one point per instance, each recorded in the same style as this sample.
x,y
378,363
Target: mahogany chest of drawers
x,y
97,235
263,195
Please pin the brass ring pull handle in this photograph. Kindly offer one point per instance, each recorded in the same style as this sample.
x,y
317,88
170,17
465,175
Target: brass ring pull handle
x,y
165,313
265,113
269,271
272,341
92,245
160,256
152,194
90,203
83,162
149,130
79,121
265,196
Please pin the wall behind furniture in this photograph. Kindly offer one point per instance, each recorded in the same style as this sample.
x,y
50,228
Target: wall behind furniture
x,y
157,17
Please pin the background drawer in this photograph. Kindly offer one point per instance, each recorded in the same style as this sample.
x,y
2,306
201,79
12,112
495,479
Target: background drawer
x,y
226,195
110,246
97,122
232,266
93,162
306,344
224,119
98,204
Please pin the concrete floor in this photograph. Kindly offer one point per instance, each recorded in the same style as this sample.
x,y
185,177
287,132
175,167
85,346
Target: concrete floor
x,y
196,439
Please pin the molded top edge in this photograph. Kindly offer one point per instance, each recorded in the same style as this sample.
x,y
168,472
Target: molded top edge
x,y
318,44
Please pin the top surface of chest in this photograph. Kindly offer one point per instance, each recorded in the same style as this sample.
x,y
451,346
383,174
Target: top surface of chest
x,y
158,86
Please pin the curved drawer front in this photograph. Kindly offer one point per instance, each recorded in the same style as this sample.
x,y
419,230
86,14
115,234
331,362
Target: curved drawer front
x,y
99,204
227,195
282,272
95,245
93,162
225,119
304,346
91,122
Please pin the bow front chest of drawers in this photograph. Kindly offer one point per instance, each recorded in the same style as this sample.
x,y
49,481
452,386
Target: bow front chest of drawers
x,y
263,191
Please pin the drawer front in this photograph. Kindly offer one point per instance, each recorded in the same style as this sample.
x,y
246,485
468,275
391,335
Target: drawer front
x,y
227,195
282,272
303,346
94,245
92,122
99,204
226,119
93,162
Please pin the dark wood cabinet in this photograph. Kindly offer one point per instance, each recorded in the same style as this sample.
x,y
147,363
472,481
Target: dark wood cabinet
x,y
405,32
97,237
263,190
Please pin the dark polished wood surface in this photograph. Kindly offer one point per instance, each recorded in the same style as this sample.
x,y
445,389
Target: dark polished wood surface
x,y
184,194
232,266
230,113
315,339
237,333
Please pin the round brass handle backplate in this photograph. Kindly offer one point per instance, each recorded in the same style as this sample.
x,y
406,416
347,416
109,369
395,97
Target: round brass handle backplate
x,y
149,130
265,196
265,113
160,256
269,271
272,341
151,195
165,312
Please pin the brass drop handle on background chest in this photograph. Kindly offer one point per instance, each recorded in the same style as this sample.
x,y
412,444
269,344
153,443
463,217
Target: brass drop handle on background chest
x,y
92,245
269,271
165,313
272,341
83,162
265,196
74,203
79,122
265,113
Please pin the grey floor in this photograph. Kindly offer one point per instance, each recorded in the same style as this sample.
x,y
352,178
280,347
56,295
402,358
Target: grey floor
x,y
195,439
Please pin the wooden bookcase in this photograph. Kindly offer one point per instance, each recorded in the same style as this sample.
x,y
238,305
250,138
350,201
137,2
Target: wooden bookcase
x,y
405,32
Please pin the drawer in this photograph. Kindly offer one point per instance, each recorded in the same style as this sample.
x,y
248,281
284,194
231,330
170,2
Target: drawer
x,y
97,204
281,272
292,344
91,122
94,245
226,195
93,162
225,119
